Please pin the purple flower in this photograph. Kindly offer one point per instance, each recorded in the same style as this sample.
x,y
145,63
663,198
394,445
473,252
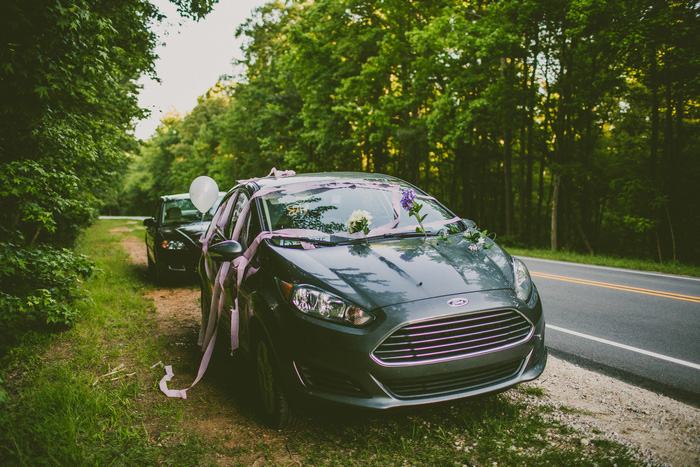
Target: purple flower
x,y
407,197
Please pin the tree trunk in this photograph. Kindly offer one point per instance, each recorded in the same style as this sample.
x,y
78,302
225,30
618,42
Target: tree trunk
x,y
673,236
508,160
584,238
654,142
508,180
521,182
555,212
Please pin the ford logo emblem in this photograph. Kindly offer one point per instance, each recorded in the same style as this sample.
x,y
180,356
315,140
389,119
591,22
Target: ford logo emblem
x,y
457,302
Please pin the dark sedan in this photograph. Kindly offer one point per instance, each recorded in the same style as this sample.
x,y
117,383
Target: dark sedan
x,y
172,237
363,290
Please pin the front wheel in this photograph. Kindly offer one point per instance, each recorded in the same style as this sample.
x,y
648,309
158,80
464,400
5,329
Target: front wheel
x,y
274,403
154,271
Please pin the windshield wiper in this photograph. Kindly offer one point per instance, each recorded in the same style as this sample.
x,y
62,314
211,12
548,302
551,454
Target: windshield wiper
x,y
407,234
316,241
353,241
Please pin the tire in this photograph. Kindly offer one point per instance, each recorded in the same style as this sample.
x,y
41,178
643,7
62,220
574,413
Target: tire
x,y
154,272
151,266
274,403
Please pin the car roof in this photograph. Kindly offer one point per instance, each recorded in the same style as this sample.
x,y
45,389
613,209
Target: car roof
x,y
182,196
322,177
177,196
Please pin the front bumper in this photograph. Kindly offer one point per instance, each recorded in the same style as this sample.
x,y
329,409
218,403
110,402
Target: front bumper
x,y
341,365
177,262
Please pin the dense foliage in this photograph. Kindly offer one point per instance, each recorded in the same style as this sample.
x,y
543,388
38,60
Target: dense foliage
x,y
68,71
568,124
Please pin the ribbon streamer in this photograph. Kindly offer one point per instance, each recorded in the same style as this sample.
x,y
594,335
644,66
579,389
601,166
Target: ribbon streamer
x,y
239,267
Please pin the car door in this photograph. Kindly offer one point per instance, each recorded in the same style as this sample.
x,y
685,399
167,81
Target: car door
x,y
231,206
239,202
251,228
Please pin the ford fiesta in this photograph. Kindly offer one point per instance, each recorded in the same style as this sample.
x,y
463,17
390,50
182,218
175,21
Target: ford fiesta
x,y
363,290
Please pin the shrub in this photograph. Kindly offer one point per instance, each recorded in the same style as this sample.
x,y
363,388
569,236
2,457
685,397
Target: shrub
x,y
38,286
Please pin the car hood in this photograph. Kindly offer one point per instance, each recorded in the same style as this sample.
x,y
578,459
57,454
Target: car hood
x,y
191,232
402,270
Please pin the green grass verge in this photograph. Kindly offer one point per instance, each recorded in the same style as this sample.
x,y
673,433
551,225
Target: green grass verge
x,y
492,430
599,260
62,410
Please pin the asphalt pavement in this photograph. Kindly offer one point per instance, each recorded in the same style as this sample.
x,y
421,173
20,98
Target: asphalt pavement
x,y
638,326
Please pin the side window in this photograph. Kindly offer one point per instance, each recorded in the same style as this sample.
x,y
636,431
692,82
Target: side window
x,y
235,213
156,211
252,228
215,232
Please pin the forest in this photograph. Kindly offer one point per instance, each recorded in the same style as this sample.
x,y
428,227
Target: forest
x,y
563,124
68,100
568,124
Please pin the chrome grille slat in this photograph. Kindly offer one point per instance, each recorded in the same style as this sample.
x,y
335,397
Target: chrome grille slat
x,y
476,343
442,338
455,337
438,355
464,344
457,329
463,319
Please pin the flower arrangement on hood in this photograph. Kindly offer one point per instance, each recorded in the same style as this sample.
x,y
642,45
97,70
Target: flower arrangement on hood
x,y
477,239
409,203
359,221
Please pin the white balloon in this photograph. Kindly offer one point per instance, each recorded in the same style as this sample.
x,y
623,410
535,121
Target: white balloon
x,y
203,192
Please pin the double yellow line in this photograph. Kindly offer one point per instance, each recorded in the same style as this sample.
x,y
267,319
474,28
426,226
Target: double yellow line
x,y
657,293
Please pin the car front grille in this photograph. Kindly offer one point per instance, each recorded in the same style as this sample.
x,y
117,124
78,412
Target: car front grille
x,y
454,337
456,382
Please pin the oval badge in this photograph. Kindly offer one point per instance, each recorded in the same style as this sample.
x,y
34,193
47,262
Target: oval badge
x,y
457,302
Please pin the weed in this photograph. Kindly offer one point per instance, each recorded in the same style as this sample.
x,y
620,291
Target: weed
x,y
532,391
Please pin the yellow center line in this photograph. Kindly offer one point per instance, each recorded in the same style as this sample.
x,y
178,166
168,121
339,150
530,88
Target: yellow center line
x,y
626,288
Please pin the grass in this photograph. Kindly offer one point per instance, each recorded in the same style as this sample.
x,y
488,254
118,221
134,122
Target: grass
x,y
60,412
669,267
64,410
485,431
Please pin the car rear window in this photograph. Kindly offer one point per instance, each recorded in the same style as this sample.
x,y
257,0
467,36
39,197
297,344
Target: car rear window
x,y
181,211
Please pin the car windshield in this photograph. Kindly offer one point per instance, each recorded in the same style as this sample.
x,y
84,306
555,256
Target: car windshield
x,y
328,209
182,211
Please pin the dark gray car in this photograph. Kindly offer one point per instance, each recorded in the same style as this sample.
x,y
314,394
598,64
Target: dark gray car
x,y
395,314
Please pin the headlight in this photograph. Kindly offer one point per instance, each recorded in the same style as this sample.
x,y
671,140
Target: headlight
x,y
321,304
523,283
173,245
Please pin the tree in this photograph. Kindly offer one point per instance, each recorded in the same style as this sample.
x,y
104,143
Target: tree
x,y
68,72
571,124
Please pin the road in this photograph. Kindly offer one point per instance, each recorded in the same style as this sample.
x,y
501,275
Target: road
x,y
640,327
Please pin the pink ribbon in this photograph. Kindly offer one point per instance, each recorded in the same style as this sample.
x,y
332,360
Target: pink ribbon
x,y
239,266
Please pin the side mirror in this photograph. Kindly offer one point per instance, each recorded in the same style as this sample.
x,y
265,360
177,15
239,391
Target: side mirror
x,y
149,222
228,250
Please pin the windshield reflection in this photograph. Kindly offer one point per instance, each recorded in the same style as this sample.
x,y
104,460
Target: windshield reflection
x,y
329,209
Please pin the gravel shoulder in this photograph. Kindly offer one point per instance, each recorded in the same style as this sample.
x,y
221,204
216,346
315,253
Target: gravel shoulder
x,y
664,430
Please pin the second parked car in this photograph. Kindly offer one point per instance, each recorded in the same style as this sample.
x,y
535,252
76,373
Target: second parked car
x,y
172,236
